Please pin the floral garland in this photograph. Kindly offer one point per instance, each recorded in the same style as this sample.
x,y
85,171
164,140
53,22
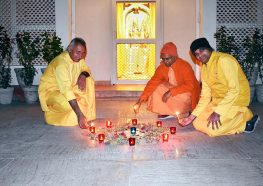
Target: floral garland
x,y
145,133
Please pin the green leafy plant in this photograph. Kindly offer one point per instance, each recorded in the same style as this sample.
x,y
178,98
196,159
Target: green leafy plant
x,y
28,51
225,43
254,55
5,58
51,46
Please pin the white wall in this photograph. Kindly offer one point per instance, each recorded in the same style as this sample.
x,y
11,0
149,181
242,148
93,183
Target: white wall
x,y
209,21
92,20
93,23
63,20
180,25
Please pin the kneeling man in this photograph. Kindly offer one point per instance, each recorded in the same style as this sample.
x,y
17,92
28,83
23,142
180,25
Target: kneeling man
x,y
66,89
223,106
173,89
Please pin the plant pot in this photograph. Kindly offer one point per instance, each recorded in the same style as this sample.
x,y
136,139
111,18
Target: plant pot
x,y
43,70
6,95
31,94
254,76
252,93
259,93
20,80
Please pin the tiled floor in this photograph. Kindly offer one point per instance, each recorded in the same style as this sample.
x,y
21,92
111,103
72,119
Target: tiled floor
x,y
33,153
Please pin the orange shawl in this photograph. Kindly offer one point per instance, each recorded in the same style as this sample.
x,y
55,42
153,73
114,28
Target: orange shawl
x,y
185,78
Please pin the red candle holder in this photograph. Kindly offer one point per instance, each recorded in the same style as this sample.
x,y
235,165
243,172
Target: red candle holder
x,y
101,138
92,129
172,130
159,123
131,141
134,121
165,137
108,124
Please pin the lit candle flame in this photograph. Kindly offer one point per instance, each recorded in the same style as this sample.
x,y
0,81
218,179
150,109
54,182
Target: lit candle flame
x,y
165,137
136,109
177,114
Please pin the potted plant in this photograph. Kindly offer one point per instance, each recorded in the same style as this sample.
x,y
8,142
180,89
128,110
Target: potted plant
x,y
225,43
27,51
51,47
6,91
253,61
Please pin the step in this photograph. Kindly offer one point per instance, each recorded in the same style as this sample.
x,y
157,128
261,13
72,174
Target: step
x,y
102,91
113,91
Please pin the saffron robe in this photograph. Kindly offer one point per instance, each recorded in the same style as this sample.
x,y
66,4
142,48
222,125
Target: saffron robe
x,y
225,90
183,85
58,85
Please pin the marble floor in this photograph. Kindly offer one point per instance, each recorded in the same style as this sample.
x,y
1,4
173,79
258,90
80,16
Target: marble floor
x,y
33,153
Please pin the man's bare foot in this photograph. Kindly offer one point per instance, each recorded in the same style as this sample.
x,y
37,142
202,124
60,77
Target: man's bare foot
x,y
187,121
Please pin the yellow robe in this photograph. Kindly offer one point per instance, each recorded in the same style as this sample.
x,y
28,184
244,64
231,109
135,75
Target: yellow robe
x,y
58,86
225,90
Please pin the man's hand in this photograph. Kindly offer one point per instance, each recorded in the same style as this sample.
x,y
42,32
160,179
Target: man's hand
x,y
137,106
166,96
83,124
214,118
186,121
81,82
82,121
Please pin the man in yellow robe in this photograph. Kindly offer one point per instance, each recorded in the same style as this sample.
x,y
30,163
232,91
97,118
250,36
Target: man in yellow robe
x,y
66,89
223,106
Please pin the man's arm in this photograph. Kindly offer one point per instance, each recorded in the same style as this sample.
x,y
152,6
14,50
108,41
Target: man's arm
x,y
65,88
84,73
81,82
81,118
153,83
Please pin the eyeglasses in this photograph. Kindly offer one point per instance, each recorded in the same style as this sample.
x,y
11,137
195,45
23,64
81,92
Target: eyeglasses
x,y
167,58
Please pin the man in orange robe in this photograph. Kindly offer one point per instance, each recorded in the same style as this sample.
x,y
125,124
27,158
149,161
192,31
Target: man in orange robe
x,y
173,90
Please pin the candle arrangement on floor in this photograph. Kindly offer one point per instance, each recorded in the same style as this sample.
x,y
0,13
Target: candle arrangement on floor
x,y
159,123
132,132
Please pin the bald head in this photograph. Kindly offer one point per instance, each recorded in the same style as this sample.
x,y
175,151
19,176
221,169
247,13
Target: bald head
x,y
76,41
77,49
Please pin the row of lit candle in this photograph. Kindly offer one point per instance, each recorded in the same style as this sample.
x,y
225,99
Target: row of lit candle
x,y
134,122
165,136
92,128
101,138
172,130
109,125
133,129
